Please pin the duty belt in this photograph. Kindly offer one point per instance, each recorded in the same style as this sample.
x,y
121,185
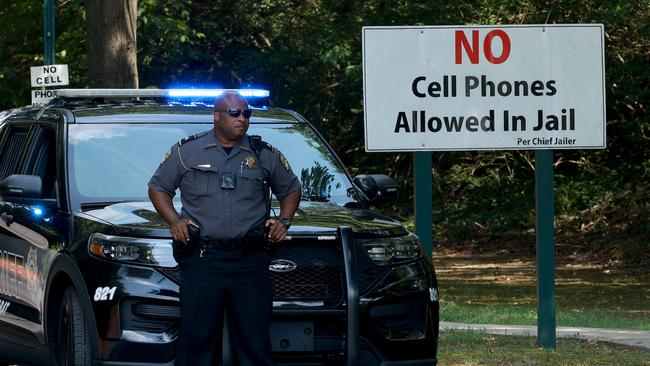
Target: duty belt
x,y
224,244
253,241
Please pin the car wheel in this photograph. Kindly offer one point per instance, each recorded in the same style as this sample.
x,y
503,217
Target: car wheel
x,y
73,348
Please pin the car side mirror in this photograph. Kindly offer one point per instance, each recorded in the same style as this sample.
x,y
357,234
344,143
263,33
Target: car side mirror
x,y
379,188
24,189
367,185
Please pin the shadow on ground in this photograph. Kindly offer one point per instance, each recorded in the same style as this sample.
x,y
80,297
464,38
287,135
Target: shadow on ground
x,y
505,285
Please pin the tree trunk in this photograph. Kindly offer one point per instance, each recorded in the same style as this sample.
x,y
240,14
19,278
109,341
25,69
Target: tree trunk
x,y
111,43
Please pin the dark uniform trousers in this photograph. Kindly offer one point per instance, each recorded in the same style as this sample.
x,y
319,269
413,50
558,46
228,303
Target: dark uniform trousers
x,y
226,280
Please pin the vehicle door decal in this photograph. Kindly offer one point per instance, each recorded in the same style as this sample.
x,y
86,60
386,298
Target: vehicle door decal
x,y
33,283
104,293
19,277
433,294
26,234
4,305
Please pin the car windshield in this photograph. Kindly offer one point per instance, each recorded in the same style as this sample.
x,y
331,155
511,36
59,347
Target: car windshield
x,y
114,162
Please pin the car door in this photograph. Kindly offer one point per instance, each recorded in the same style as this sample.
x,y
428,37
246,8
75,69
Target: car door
x,y
30,234
14,250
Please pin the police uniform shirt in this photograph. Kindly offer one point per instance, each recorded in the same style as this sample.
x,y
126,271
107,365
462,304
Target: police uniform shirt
x,y
197,164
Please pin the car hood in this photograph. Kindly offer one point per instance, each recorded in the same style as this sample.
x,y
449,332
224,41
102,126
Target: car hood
x,y
140,219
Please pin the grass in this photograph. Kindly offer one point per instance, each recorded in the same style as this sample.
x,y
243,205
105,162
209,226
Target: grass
x,y
501,289
479,348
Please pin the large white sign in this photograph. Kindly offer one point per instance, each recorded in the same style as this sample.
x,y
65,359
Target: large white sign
x,y
484,87
49,75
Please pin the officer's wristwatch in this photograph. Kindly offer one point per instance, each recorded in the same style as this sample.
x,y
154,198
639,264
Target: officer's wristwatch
x,y
286,222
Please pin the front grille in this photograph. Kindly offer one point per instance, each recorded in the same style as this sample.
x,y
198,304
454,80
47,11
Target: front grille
x,y
148,317
156,311
319,273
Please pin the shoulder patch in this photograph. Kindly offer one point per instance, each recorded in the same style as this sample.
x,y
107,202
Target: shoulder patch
x,y
167,155
285,163
187,139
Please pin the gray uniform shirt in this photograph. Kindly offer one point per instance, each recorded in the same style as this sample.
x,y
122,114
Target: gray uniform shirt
x,y
196,167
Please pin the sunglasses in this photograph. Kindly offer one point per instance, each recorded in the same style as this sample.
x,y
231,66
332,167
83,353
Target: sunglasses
x,y
235,112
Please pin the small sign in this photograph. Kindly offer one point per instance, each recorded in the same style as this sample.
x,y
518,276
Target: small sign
x,y
49,75
501,87
42,96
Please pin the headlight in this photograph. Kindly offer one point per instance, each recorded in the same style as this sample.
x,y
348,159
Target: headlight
x,y
386,251
152,252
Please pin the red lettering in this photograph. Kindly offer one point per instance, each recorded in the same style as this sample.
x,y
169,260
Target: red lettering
x,y
487,46
471,51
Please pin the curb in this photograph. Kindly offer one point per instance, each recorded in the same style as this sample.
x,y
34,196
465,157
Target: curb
x,y
633,338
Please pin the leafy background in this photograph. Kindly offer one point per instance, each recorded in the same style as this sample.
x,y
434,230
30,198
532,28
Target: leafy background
x,y
308,53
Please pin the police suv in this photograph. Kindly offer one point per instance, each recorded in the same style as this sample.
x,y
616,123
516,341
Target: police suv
x,y
87,275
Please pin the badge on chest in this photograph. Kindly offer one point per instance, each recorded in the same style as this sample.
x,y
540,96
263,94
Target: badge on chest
x,y
250,162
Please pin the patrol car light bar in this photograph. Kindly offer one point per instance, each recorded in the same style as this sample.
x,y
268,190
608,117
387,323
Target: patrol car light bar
x,y
156,93
115,93
179,93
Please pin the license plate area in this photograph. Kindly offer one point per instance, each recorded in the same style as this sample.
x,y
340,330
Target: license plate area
x,y
292,336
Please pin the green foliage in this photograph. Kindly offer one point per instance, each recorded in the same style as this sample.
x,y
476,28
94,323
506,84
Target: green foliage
x,y
308,53
21,37
20,49
482,194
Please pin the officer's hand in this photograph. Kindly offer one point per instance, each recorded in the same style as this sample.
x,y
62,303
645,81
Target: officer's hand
x,y
277,231
179,231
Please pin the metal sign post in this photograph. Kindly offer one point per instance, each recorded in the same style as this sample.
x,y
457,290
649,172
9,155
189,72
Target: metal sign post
x,y
545,248
49,34
422,179
44,76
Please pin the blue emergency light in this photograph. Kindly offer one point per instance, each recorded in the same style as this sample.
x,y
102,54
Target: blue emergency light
x,y
257,98
40,214
200,93
174,93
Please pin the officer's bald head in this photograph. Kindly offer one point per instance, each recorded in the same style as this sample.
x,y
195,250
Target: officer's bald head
x,y
228,99
231,114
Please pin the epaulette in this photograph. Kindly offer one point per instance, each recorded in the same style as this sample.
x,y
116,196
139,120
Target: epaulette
x,y
257,143
268,146
190,138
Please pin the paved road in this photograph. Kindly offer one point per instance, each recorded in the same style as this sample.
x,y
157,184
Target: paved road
x,y
636,338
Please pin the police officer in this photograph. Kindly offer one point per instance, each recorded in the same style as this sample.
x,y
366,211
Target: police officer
x,y
221,174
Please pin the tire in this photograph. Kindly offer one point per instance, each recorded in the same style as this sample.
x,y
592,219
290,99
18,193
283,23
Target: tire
x,y
73,339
